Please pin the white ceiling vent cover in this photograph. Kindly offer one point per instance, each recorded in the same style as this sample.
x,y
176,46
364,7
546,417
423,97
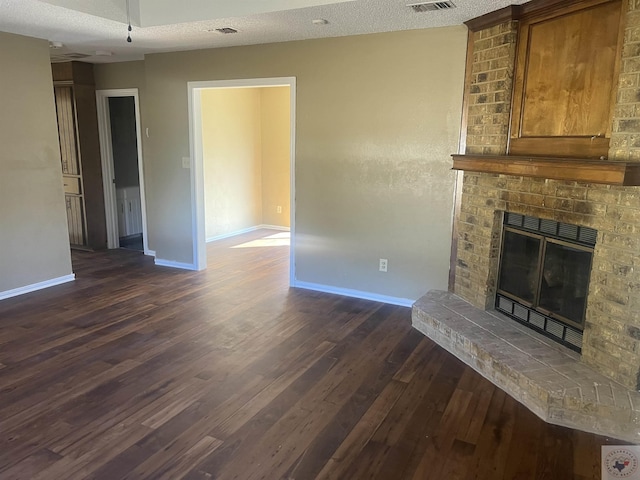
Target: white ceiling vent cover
x,y
65,57
431,6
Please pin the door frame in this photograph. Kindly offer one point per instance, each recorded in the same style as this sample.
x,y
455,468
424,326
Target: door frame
x,y
197,162
108,171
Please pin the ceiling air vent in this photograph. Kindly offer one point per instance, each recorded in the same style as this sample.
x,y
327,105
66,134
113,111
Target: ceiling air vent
x,y
226,30
431,6
65,57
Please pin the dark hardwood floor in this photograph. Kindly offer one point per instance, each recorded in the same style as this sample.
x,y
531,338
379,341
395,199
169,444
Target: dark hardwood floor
x,y
137,371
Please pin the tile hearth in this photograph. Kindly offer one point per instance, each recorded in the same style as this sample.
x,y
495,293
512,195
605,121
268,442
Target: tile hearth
x,y
547,378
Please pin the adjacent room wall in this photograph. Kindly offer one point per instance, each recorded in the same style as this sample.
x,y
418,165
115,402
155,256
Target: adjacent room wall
x,y
34,241
276,155
377,118
122,116
232,155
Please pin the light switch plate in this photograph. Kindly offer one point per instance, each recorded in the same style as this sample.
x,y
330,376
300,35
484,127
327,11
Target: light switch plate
x,y
186,162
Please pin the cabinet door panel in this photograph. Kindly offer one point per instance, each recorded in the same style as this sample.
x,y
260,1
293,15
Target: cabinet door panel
x,y
71,185
570,74
75,220
65,110
565,75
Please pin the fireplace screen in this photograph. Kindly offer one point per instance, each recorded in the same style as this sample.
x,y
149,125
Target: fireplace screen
x,y
544,276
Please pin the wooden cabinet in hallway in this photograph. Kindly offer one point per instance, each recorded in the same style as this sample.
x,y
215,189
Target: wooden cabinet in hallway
x,y
80,153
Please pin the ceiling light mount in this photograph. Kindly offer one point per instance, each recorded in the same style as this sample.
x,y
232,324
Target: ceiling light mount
x,y
320,21
225,30
129,29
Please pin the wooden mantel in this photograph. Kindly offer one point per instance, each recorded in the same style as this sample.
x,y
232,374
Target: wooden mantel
x,y
572,169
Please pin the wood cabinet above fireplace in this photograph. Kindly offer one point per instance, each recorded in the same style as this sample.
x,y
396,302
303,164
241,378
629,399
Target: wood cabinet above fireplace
x,y
543,82
566,70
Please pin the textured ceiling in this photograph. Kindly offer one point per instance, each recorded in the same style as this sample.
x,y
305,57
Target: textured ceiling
x,y
85,26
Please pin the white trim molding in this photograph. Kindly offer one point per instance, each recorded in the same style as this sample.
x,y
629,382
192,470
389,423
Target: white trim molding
x,y
274,227
346,292
37,286
231,234
168,263
247,230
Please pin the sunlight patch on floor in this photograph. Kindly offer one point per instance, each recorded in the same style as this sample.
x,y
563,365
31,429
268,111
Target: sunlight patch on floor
x,y
276,240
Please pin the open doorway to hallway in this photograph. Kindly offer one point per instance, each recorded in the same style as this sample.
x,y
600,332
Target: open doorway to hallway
x,y
242,144
122,118
122,169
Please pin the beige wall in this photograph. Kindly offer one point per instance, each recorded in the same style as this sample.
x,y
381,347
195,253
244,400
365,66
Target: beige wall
x,y
232,157
34,242
377,118
276,155
120,75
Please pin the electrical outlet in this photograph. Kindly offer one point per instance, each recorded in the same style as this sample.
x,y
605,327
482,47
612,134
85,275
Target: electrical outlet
x,y
278,209
383,264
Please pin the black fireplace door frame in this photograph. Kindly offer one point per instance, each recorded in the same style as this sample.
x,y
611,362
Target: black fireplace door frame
x,y
542,252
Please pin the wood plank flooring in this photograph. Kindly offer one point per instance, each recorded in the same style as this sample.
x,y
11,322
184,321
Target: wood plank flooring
x,y
136,371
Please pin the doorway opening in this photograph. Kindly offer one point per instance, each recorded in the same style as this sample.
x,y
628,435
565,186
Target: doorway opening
x,y
122,169
242,136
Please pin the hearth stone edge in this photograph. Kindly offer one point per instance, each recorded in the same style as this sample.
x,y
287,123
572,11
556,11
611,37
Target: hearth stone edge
x,y
547,378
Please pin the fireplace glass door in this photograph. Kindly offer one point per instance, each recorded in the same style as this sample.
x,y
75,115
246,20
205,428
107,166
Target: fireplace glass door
x,y
520,265
544,276
564,282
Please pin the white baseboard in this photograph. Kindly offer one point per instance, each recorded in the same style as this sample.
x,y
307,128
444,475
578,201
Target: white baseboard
x,y
403,302
36,286
150,253
181,266
274,227
231,234
246,230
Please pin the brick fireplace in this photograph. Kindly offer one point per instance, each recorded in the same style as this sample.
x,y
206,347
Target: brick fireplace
x,y
611,344
612,326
